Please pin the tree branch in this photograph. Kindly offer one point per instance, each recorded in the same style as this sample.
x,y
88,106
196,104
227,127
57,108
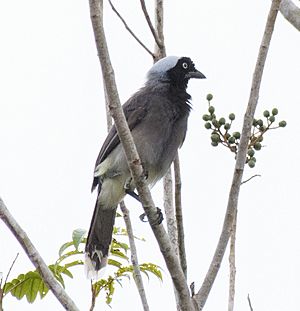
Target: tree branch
x,y
153,31
160,50
96,12
179,216
169,209
232,267
170,217
203,293
291,12
134,259
36,259
129,30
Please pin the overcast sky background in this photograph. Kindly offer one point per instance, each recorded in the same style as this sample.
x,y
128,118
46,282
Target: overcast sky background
x,y
52,125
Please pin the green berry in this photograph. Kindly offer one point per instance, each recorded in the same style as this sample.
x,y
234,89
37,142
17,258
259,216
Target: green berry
x,y
251,163
251,153
254,122
274,111
227,126
215,138
211,109
260,138
207,125
227,135
253,159
236,135
209,97
257,146
213,116
231,116
282,124
231,140
222,121
206,117
214,143
260,122
215,123
272,119
262,128
266,113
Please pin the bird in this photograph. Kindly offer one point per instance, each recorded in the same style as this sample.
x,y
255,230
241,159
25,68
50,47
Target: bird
x,y
157,116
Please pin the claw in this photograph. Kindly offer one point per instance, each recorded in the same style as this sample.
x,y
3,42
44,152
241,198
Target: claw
x,y
159,219
142,217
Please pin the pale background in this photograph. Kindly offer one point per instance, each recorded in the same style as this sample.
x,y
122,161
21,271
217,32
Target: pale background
x,y
52,125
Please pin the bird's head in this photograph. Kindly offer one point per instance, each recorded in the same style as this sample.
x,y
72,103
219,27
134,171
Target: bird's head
x,y
175,70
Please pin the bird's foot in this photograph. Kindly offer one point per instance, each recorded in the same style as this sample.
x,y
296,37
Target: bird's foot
x,y
159,219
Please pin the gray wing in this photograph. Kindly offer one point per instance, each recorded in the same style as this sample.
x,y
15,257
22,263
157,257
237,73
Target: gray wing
x,y
134,111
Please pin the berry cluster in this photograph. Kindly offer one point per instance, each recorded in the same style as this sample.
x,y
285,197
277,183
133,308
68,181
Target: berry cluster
x,y
221,131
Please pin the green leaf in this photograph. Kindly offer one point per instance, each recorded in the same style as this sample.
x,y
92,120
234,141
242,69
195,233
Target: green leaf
x,y
78,236
58,271
33,289
114,263
67,255
43,290
116,252
74,263
64,247
117,244
151,267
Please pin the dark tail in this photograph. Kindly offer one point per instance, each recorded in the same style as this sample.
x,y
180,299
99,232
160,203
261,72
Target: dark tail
x,y
99,239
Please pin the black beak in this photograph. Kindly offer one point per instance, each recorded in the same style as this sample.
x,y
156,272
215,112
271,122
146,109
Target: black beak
x,y
195,74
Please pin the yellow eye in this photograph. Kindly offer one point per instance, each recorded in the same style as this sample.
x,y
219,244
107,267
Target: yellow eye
x,y
185,65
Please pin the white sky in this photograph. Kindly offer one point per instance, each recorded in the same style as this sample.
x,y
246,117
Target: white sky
x,y
52,125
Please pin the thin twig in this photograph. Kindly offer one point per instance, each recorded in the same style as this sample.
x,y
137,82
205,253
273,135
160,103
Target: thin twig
x,y
159,50
153,31
179,216
134,162
249,302
5,281
93,303
134,258
36,259
256,175
10,268
232,267
210,277
129,30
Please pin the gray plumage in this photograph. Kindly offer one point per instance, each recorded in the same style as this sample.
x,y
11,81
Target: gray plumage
x,y
157,116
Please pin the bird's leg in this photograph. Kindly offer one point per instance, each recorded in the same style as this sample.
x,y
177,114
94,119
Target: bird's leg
x,y
134,195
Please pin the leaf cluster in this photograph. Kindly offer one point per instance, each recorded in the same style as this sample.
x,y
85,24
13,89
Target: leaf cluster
x,y
31,284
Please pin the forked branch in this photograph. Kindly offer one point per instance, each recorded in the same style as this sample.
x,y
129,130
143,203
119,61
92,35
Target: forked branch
x,y
130,30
